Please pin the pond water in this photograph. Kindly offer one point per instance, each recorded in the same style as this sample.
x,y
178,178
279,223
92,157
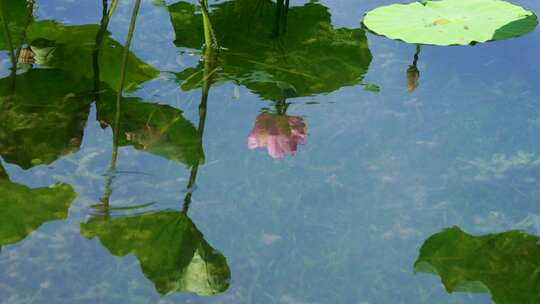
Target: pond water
x,y
302,161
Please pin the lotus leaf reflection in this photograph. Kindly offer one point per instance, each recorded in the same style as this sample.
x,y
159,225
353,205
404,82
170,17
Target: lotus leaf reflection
x,y
43,115
25,209
157,129
171,250
502,264
70,48
311,57
16,15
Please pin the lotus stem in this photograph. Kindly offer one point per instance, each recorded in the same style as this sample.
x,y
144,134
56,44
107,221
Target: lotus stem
x,y
208,73
7,37
116,128
416,55
209,35
112,8
3,173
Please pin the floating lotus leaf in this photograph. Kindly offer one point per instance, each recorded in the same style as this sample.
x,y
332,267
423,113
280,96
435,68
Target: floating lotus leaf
x,y
504,264
450,22
15,15
72,48
311,57
25,209
171,251
42,116
153,128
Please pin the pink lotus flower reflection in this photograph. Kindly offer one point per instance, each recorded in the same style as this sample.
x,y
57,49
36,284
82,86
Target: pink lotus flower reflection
x,y
280,134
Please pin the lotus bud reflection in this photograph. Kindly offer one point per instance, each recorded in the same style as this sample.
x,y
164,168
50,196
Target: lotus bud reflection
x,y
413,74
26,56
280,134
412,78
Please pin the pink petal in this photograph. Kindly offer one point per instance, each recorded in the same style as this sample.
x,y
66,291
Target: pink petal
x,y
252,142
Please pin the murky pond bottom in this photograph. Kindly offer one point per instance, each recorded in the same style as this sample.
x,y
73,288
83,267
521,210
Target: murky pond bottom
x,y
298,159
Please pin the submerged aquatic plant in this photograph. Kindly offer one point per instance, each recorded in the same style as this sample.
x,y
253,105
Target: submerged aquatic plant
x,y
451,22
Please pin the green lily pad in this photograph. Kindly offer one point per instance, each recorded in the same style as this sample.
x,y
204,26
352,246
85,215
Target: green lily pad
x,y
451,22
172,252
25,209
311,57
157,129
503,264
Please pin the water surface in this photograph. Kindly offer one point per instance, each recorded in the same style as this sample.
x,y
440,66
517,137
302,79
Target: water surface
x,y
293,163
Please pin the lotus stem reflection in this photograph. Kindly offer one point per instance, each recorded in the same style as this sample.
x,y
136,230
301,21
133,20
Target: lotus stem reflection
x,y
413,74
